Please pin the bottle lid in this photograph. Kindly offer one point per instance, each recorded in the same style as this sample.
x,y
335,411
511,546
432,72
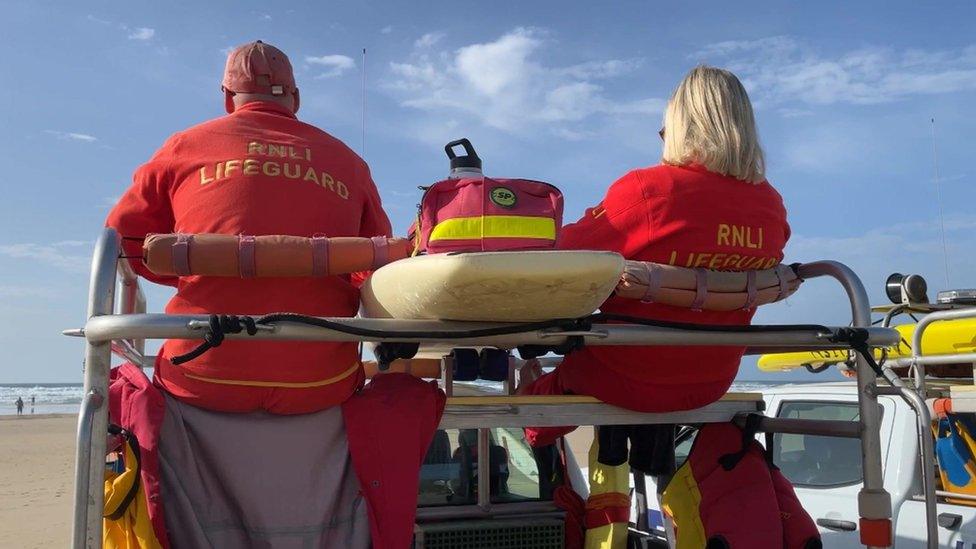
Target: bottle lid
x,y
470,158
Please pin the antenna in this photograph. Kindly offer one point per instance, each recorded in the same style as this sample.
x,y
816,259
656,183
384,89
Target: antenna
x,y
364,103
938,195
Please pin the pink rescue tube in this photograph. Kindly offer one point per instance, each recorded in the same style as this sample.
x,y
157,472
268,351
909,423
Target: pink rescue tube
x,y
267,256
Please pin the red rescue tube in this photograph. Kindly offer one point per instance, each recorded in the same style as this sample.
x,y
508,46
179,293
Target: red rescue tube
x,y
267,256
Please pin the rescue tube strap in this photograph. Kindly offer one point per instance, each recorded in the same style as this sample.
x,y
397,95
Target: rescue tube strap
x,y
781,272
751,294
653,281
245,256
701,289
320,256
181,254
381,251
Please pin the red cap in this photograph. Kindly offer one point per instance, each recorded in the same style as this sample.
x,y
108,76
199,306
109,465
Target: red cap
x,y
258,68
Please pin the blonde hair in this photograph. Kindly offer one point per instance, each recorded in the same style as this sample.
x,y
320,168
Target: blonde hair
x,y
709,121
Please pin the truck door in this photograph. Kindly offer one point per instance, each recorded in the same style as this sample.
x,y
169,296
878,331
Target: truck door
x,y
826,471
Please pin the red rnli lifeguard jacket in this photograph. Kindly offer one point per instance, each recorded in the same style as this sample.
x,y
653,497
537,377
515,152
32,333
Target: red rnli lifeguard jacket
x,y
258,171
728,495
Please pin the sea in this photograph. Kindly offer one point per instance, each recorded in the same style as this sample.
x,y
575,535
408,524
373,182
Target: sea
x,y
65,398
49,398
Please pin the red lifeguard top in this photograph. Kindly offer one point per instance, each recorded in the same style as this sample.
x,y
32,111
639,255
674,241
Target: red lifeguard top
x,y
684,216
258,171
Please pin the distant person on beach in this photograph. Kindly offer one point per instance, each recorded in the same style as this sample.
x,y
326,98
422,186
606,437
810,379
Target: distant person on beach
x,y
20,406
32,404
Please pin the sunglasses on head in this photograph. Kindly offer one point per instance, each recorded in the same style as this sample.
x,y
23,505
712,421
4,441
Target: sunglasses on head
x,y
661,133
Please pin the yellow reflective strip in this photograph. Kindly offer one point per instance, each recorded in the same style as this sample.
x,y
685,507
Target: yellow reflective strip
x,y
494,226
680,503
281,384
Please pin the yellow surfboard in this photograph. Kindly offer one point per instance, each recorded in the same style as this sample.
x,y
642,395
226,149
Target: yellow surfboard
x,y
941,338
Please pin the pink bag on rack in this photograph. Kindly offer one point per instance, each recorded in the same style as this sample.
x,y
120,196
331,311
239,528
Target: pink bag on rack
x,y
481,214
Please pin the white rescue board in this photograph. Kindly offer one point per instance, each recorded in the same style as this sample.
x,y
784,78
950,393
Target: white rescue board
x,y
517,286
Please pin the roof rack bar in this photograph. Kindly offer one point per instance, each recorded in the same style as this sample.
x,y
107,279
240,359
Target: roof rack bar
x,y
447,512
161,326
817,427
920,328
552,414
874,502
90,450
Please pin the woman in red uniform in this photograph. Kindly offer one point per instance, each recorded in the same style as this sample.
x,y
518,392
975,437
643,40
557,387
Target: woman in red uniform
x,y
708,204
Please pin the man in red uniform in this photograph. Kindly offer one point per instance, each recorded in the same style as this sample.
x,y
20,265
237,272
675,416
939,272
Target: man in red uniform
x,y
257,171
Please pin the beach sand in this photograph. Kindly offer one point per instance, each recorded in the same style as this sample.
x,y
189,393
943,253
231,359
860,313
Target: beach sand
x,y
36,476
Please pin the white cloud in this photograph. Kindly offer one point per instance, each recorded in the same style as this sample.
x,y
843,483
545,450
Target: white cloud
x,y
428,40
100,21
336,64
72,136
142,33
387,29
503,84
64,255
781,69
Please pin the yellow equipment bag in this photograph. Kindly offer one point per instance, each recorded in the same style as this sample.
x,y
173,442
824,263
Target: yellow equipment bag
x,y
126,522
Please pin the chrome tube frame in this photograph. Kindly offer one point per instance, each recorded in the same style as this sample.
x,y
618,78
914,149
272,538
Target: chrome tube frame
x,y
93,418
923,324
873,501
161,326
103,327
916,399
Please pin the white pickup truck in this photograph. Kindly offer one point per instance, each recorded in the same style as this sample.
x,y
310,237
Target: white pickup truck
x,y
826,471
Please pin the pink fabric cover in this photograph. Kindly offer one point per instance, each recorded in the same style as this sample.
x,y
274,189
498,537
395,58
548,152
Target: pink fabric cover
x,y
471,197
137,405
389,426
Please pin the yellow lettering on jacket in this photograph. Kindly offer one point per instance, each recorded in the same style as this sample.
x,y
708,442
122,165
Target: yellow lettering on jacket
x,y
225,169
271,168
255,148
311,176
327,181
230,166
203,176
298,171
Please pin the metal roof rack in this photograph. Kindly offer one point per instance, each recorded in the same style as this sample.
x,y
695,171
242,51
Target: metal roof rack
x,y
124,331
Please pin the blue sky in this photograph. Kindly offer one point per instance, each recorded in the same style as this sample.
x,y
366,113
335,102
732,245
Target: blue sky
x,y
570,93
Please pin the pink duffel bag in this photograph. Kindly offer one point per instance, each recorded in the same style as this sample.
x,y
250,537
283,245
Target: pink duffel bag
x,y
473,213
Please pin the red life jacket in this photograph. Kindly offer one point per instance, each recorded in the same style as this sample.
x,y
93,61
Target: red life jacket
x,y
393,411
728,495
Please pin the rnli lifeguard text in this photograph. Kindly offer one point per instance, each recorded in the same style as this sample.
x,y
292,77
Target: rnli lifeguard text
x,y
275,160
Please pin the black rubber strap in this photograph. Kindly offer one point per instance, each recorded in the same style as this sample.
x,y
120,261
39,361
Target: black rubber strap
x,y
130,439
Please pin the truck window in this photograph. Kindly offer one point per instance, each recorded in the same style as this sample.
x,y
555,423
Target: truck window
x,y
818,461
448,475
